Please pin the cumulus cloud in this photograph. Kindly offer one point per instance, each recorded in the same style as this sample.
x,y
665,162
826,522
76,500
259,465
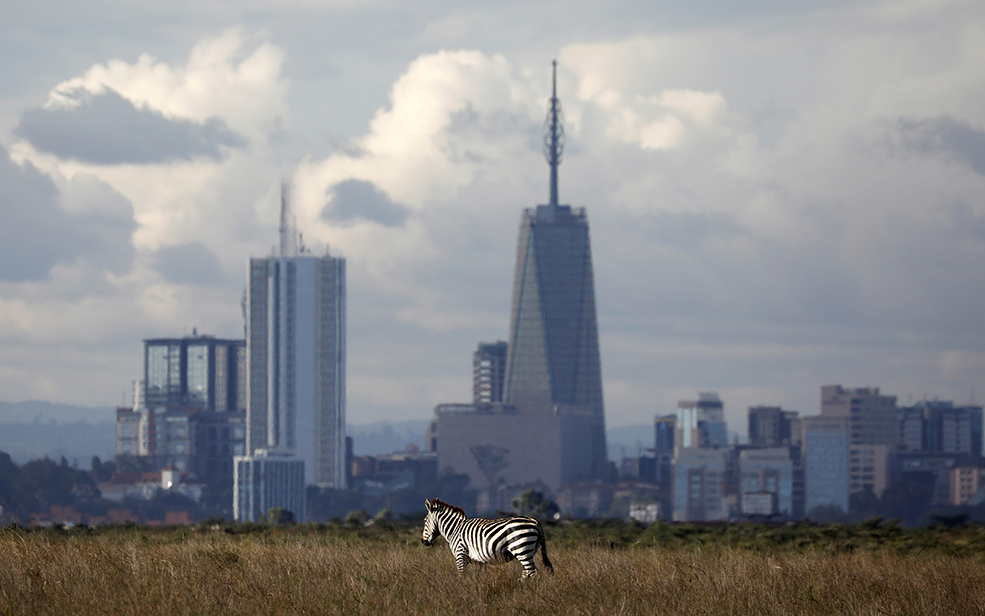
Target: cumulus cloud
x,y
943,135
350,200
665,121
188,144
233,78
757,257
36,234
108,129
451,114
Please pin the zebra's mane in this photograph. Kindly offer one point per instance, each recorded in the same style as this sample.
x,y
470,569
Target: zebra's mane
x,y
452,508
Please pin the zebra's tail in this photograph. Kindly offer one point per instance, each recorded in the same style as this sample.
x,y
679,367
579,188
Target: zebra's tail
x,y
543,549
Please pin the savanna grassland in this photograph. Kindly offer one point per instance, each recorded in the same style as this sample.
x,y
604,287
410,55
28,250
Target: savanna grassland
x,y
611,568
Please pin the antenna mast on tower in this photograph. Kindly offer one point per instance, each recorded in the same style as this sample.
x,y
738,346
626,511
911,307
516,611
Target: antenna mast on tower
x,y
554,134
288,237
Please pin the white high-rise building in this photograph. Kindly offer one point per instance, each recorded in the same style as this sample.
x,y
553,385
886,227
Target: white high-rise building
x,y
295,363
265,480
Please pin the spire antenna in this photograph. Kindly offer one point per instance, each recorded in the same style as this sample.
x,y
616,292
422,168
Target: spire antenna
x,y
288,224
554,134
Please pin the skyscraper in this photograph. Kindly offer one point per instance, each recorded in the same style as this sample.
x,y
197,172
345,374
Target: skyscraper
x,y
553,345
295,336
550,426
873,431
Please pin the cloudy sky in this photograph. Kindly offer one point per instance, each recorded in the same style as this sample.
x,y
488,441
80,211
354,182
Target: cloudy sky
x,y
781,195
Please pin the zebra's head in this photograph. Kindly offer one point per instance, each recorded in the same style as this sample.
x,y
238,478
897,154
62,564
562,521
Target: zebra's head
x,y
431,531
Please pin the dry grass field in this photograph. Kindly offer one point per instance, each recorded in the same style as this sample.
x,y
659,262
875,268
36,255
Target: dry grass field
x,y
318,572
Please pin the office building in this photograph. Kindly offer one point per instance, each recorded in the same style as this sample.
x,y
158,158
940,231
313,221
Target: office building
x,y
185,439
219,435
295,353
489,372
911,429
699,477
664,429
825,462
550,426
871,416
201,372
295,327
929,472
873,425
267,479
766,477
965,482
701,422
499,444
868,467
940,426
771,426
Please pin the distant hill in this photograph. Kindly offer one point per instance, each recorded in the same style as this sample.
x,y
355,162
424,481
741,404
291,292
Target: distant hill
x,y
46,412
76,441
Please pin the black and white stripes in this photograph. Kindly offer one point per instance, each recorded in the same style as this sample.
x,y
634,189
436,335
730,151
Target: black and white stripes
x,y
485,541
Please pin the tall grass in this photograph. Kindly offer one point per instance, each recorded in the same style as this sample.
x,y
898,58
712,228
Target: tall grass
x,y
191,572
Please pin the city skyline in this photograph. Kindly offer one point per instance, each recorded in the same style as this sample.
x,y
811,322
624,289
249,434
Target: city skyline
x,y
782,197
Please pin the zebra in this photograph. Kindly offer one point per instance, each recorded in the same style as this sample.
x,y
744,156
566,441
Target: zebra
x,y
485,541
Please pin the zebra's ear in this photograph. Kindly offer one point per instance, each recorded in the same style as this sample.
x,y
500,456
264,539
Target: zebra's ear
x,y
427,504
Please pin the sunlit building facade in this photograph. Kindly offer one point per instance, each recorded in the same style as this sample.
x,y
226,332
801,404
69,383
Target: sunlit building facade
x,y
265,480
296,357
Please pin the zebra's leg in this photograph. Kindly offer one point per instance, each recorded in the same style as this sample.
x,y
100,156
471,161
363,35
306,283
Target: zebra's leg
x,y
461,559
529,568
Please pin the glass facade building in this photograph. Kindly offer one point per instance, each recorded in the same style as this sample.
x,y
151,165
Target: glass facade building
x,y
550,425
554,351
939,426
200,372
553,363
825,454
701,422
